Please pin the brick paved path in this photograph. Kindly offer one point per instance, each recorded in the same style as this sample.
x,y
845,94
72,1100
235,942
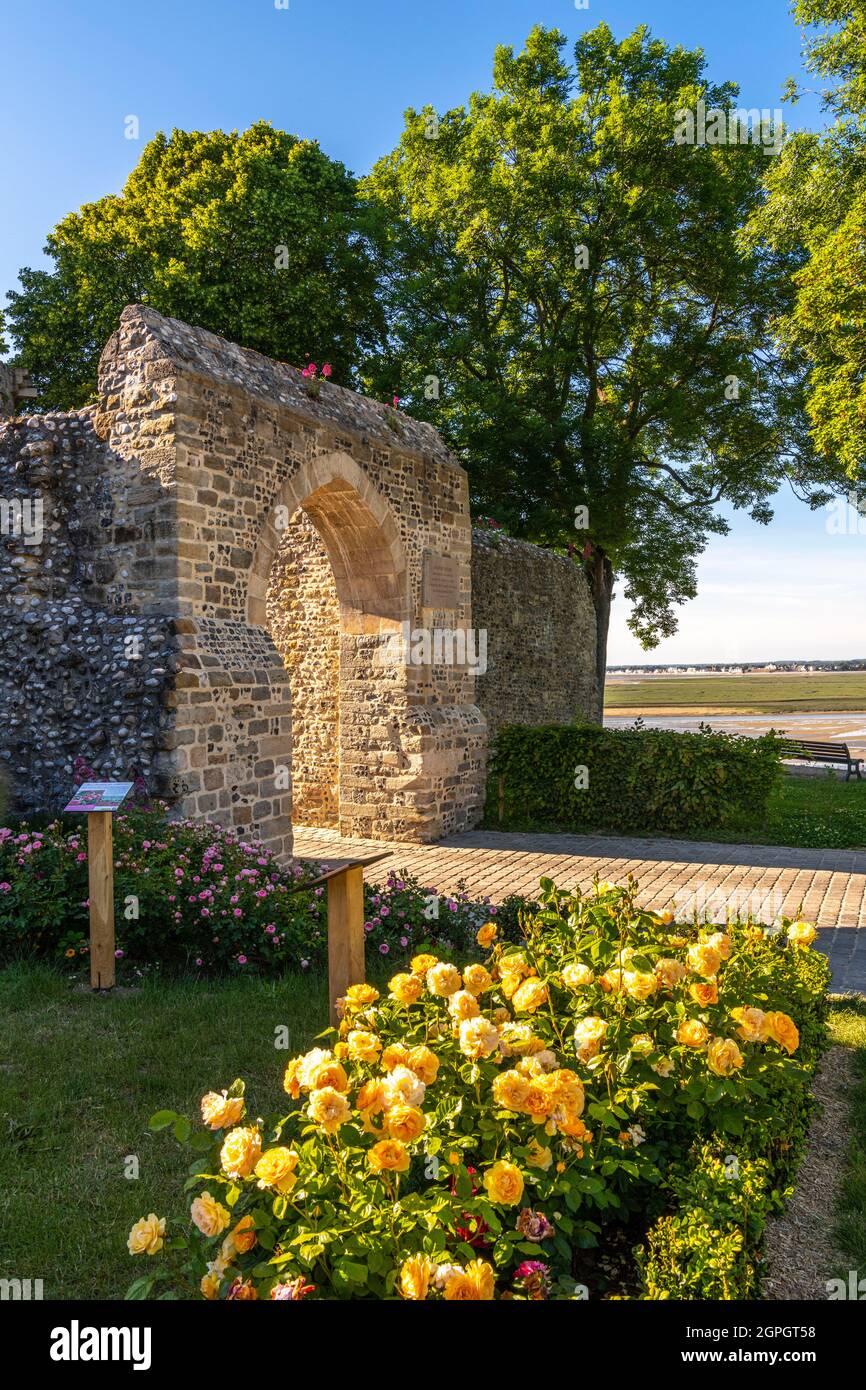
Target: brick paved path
x,y
827,887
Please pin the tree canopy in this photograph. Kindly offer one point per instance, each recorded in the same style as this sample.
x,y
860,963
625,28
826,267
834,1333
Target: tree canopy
x,y
575,285
258,237
817,213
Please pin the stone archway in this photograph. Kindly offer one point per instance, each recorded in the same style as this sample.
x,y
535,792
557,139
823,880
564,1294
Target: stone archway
x,y
330,583
227,448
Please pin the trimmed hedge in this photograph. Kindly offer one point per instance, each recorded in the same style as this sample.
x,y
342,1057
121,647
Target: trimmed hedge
x,y
637,780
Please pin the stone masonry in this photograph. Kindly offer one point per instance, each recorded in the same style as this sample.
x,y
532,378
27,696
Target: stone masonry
x,y
541,634
226,557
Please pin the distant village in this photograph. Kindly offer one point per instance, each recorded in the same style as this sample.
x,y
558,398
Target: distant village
x,y
733,668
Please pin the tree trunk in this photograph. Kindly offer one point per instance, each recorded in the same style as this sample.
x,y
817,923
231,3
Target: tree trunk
x,y
601,583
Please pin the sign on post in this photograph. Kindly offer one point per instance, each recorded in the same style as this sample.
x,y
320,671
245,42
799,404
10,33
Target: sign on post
x,y
100,800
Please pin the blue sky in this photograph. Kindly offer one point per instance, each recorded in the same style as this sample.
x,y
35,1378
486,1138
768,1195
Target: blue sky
x,y
343,73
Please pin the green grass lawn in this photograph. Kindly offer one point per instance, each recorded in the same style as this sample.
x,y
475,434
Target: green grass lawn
x,y
770,694
817,812
80,1075
848,1027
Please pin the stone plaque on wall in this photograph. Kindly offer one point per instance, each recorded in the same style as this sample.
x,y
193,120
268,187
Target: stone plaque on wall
x,y
440,587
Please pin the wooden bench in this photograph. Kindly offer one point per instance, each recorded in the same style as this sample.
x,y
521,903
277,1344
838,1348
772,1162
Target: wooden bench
x,y
836,753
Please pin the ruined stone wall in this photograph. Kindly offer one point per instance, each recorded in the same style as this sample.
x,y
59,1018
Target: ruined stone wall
x,y
217,543
541,642
80,675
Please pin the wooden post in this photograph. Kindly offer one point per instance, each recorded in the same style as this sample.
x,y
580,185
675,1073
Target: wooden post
x,y
345,934
100,863
345,885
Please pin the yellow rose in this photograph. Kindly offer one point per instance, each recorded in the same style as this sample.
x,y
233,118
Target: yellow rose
x,y
301,1071
424,1063
538,1102
577,975
395,1055
477,979
669,972
406,989
572,1125
692,1033
704,992
419,965
472,1284
443,979
801,934
588,1036
239,1240
371,1097
329,1109
640,984
539,1156
504,1183
219,1110
753,1024
240,1152
209,1215
389,1155
478,1038
292,1078
359,996
530,996
723,1056
721,942
665,918
565,1089
328,1073
405,1122
209,1286
404,1087
415,1276
783,1030
487,934
363,1046
510,1090
612,981
703,959
276,1169
147,1236
463,1004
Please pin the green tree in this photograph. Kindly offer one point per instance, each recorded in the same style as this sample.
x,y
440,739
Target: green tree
x,y
571,301
817,213
258,237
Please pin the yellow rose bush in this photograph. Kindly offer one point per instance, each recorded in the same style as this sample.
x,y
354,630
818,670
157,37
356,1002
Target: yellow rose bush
x,y
469,1128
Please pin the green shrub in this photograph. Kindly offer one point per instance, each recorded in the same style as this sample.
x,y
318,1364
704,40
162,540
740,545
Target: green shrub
x,y
706,1250
636,780
190,894
709,1246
